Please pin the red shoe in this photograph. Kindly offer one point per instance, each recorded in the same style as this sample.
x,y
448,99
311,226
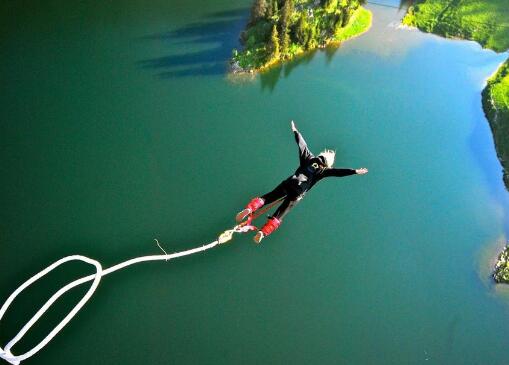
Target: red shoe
x,y
253,206
269,227
242,215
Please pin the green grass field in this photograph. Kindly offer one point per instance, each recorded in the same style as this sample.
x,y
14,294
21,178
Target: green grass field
x,y
485,21
500,85
358,24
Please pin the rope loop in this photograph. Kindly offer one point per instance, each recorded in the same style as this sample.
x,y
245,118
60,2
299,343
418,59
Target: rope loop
x,y
6,353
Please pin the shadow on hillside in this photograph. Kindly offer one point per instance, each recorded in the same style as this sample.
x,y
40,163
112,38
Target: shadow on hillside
x,y
210,43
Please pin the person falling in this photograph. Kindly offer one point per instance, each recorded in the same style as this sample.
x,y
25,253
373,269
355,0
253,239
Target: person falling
x,y
311,170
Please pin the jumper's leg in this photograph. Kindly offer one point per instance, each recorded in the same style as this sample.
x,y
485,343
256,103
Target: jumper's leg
x,y
274,222
258,202
269,227
252,206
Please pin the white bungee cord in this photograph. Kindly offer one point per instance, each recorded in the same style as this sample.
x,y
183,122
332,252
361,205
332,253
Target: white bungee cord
x,y
6,354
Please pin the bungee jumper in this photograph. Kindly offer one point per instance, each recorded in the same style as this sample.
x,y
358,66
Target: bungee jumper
x,y
311,170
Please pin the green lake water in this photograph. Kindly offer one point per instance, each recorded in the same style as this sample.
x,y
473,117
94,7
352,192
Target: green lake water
x,y
119,125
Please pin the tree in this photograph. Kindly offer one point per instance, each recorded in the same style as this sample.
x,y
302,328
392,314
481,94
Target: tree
x,y
289,4
274,43
275,7
258,10
272,9
339,21
331,5
285,42
312,37
269,13
301,31
285,26
286,14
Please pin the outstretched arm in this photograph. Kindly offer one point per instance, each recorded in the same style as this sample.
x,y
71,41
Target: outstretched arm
x,y
344,172
304,152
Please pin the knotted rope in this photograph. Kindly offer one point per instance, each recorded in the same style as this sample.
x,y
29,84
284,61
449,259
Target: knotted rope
x,y
6,354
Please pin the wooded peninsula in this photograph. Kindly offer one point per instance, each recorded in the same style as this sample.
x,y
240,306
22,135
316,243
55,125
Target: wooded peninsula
x,y
278,30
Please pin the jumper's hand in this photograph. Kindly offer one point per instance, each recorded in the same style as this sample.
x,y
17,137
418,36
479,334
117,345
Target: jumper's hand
x,y
361,171
294,129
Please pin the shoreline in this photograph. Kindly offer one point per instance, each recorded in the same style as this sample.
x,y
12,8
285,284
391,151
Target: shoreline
x,y
498,117
446,21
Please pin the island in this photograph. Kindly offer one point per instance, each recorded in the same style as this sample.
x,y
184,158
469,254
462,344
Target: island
x,y
501,272
279,30
486,22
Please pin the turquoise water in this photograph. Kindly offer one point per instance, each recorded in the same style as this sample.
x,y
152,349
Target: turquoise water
x,y
119,125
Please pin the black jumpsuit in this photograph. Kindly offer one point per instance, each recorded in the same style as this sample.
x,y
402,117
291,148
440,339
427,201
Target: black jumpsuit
x,y
311,170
